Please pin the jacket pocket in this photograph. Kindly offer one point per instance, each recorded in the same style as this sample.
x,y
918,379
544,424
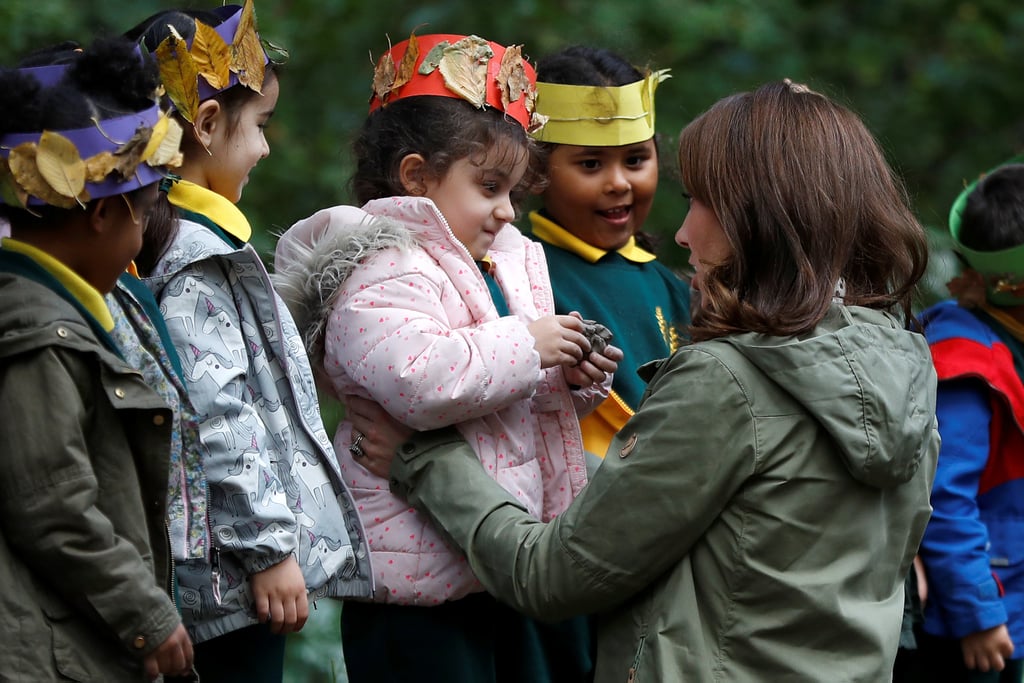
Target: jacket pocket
x,y
84,651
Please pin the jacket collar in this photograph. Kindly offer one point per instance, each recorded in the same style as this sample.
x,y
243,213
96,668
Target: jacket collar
x,y
197,199
548,231
84,293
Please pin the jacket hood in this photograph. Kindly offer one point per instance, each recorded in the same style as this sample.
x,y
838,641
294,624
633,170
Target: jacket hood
x,y
315,256
860,375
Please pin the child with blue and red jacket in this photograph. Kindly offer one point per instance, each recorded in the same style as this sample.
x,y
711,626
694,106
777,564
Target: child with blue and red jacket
x,y
973,548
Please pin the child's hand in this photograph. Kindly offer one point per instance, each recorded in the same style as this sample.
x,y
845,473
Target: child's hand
x,y
987,650
595,367
172,658
280,595
559,340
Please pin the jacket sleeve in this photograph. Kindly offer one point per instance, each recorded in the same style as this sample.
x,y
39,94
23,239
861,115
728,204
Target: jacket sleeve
x,y
961,587
639,515
587,399
249,513
49,511
394,338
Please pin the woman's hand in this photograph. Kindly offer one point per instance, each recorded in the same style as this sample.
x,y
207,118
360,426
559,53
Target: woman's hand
x,y
595,367
280,595
382,434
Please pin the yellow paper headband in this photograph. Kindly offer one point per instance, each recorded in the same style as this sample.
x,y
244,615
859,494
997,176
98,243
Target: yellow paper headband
x,y
596,116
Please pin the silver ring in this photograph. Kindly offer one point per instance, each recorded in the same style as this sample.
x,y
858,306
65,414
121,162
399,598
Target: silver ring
x,y
355,449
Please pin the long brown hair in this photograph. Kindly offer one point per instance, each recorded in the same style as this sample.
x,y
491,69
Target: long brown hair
x,y
806,200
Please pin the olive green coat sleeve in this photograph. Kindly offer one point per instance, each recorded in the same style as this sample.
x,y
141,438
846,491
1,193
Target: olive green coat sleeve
x,y
663,482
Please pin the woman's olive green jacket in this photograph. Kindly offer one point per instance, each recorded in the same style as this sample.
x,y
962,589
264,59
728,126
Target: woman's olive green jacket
x,y
754,520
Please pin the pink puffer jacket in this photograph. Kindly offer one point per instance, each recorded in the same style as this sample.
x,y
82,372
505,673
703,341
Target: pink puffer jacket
x,y
411,324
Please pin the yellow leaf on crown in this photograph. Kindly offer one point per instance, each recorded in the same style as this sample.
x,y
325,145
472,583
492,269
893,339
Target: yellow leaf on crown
x,y
464,68
26,174
60,164
408,63
178,73
165,151
247,52
212,56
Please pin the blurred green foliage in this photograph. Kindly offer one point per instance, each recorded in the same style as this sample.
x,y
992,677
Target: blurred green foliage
x,y
936,80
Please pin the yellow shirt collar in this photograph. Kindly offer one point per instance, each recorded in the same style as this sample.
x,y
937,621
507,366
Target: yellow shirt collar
x,y
217,208
86,294
555,235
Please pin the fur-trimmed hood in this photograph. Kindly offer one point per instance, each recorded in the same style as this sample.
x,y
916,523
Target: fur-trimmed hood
x,y
315,256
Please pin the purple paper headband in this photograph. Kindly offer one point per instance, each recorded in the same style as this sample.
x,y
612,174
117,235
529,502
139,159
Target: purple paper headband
x,y
108,135
65,167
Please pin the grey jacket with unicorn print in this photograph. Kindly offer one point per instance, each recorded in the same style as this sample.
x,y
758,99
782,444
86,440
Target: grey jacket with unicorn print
x,y
275,486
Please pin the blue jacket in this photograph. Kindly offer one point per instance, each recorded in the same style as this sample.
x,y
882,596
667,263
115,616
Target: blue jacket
x,y
973,548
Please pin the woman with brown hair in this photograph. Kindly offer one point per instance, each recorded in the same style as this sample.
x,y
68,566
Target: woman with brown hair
x,y
757,516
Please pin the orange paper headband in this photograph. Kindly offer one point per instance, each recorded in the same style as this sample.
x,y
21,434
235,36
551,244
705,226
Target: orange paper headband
x,y
482,72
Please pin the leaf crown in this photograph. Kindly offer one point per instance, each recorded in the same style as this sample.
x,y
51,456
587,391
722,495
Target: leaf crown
x,y
214,59
69,167
482,72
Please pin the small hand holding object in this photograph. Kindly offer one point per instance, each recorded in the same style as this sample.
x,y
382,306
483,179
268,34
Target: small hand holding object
x,y
559,339
602,360
280,596
173,657
375,434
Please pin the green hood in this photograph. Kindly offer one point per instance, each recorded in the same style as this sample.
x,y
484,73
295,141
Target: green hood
x,y
862,383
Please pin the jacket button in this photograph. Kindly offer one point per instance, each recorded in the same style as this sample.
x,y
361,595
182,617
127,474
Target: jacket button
x,y
408,449
139,642
158,420
62,333
119,392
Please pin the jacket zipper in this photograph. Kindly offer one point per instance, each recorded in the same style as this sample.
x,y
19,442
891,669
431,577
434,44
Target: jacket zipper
x,y
636,661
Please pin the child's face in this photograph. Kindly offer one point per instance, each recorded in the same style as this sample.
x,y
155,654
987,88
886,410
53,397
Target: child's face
x,y
602,194
235,151
475,195
123,221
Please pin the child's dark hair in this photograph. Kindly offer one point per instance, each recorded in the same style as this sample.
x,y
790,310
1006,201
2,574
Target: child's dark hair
x,y
441,129
597,66
107,79
993,217
150,32
584,65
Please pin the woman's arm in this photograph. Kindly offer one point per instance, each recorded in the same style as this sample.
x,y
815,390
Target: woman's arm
x,y
665,481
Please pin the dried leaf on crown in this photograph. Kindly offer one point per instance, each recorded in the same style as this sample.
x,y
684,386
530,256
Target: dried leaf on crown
x,y
212,56
178,74
247,51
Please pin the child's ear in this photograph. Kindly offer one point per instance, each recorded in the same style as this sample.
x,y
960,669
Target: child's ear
x,y
412,174
207,120
102,213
